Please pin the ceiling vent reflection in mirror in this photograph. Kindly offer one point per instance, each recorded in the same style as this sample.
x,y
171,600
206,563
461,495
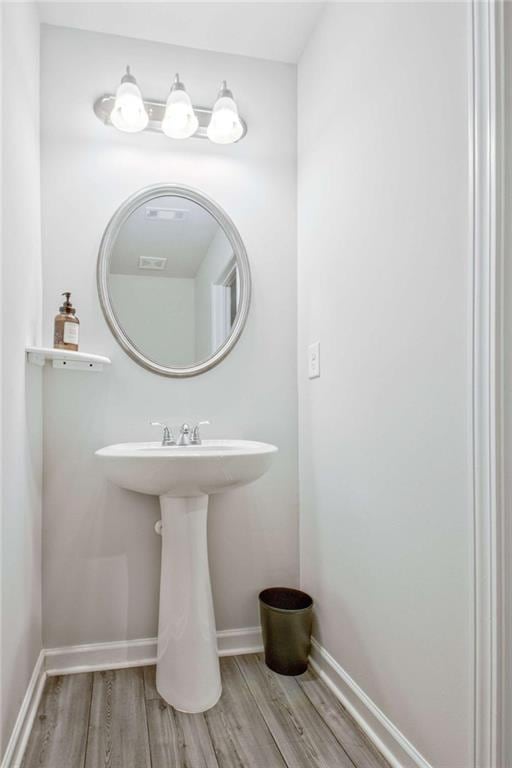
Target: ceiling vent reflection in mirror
x,y
165,214
177,117
152,262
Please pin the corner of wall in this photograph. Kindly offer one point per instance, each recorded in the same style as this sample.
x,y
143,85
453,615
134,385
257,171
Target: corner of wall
x,y
20,386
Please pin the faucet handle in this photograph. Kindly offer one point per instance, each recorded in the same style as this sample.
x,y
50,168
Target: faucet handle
x,y
167,436
196,436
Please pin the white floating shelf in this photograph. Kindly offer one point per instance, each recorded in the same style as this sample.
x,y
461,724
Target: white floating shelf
x,y
63,358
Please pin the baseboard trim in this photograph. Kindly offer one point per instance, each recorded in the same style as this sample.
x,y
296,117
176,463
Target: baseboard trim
x,y
388,739
95,657
235,642
23,725
232,642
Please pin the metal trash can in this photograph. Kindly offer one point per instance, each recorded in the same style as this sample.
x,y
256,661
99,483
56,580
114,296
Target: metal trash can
x,y
286,616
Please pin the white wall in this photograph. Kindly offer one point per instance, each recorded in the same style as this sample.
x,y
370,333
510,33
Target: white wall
x,y
21,384
384,265
158,315
101,557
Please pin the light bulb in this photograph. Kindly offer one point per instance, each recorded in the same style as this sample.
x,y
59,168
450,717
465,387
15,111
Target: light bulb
x,y
225,126
129,113
180,120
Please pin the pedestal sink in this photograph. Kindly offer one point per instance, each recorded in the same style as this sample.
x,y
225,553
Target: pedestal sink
x,y
188,675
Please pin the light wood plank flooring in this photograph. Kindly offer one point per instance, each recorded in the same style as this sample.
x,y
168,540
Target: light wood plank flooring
x,y
116,719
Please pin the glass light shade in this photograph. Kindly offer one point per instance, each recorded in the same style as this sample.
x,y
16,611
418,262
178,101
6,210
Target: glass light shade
x,y
225,126
180,120
129,113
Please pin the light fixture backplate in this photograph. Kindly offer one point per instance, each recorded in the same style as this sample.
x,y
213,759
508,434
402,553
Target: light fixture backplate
x,y
156,109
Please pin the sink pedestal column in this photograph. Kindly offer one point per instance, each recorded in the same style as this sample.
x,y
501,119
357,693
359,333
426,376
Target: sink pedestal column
x,y
187,673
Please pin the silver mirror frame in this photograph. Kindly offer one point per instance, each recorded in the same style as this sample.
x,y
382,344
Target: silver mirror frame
x,y
107,243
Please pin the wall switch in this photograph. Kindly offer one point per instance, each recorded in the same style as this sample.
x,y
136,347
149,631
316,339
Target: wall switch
x,y
314,360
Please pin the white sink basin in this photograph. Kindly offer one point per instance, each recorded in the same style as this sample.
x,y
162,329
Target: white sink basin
x,y
192,470
188,674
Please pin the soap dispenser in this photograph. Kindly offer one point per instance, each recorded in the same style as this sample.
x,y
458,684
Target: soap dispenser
x,y
66,326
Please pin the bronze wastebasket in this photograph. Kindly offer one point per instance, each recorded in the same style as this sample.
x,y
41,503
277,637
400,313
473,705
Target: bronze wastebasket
x,y
286,616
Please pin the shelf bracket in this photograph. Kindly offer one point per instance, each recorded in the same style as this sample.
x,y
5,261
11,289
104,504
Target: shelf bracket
x,y
36,358
77,365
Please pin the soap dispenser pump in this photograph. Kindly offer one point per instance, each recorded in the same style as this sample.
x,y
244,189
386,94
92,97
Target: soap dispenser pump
x,y
66,326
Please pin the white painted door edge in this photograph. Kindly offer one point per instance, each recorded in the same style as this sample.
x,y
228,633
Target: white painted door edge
x,y
486,388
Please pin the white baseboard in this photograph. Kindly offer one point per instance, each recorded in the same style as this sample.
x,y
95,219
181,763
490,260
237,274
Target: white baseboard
x,y
23,725
138,653
95,657
235,642
232,642
399,752
134,653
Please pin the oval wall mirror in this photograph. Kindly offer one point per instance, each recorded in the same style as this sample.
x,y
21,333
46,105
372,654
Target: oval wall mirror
x,y
173,280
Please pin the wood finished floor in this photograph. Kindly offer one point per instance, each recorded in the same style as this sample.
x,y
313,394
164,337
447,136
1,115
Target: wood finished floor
x,y
116,719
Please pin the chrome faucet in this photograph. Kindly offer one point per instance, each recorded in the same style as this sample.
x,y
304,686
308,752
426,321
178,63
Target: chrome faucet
x,y
190,436
184,438
167,436
187,436
196,435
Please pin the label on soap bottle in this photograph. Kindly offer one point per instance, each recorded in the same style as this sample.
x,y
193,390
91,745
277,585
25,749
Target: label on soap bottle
x,y
71,333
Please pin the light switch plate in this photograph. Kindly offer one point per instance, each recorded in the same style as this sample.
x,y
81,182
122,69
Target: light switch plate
x,y
314,360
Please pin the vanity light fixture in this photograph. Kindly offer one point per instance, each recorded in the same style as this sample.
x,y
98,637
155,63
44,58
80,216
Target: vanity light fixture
x,y
225,126
129,113
180,121
177,117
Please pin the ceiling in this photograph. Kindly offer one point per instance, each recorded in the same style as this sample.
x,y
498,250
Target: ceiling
x,y
271,30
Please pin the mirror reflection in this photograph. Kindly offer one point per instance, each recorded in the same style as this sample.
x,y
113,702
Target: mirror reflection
x,y
173,281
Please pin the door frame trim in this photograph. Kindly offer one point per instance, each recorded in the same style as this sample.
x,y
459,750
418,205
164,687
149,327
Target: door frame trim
x,y
486,364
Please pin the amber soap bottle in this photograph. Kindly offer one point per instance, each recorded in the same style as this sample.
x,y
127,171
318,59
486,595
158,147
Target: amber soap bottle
x,y
66,327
